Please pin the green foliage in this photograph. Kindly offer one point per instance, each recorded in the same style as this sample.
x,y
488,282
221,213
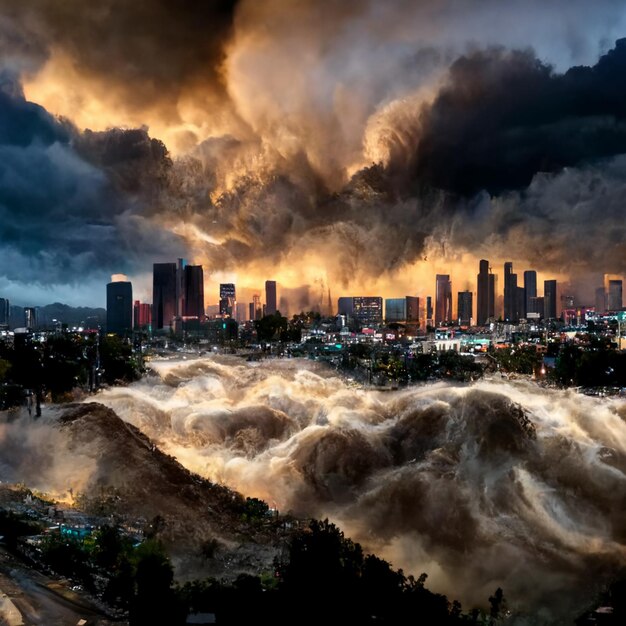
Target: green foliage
x,y
13,526
155,601
67,557
118,360
254,510
271,327
518,359
5,366
593,365
459,366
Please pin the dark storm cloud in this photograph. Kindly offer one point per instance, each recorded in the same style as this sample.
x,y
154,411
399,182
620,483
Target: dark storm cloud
x,y
149,50
504,116
62,217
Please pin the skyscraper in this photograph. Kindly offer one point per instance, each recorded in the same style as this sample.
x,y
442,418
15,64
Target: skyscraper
x,y
486,294
549,299
429,310
193,299
482,293
511,311
30,317
345,306
368,310
614,295
5,310
119,307
270,297
443,299
464,307
142,315
530,290
395,310
256,304
412,309
180,287
163,294
227,299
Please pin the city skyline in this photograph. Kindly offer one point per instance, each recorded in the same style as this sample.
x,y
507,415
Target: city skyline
x,y
382,172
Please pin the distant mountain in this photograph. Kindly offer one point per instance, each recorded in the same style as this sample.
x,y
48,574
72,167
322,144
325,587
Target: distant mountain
x,y
63,313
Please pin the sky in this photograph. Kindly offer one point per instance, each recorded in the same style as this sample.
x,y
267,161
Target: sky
x,y
356,146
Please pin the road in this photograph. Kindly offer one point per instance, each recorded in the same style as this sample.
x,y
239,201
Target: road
x,y
43,601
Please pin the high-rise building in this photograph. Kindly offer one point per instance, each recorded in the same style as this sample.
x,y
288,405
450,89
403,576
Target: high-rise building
x,y
520,302
193,300
164,292
270,297
443,299
241,312
119,307
368,310
395,310
464,307
536,310
142,315
227,299
429,310
511,310
530,290
256,307
614,295
484,297
549,299
345,306
5,311
412,309
180,287
30,317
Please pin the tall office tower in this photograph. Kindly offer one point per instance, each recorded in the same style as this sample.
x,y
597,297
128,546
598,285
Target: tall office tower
x,y
241,312
536,307
345,306
614,295
227,299
193,300
511,311
30,317
119,307
5,310
163,294
549,299
443,299
395,310
368,310
251,312
520,302
429,310
530,289
256,303
270,297
180,287
142,315
464,307
482,294
412,310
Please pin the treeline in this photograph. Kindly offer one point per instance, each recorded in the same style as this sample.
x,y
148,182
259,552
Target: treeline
x,y
323,578
63,363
